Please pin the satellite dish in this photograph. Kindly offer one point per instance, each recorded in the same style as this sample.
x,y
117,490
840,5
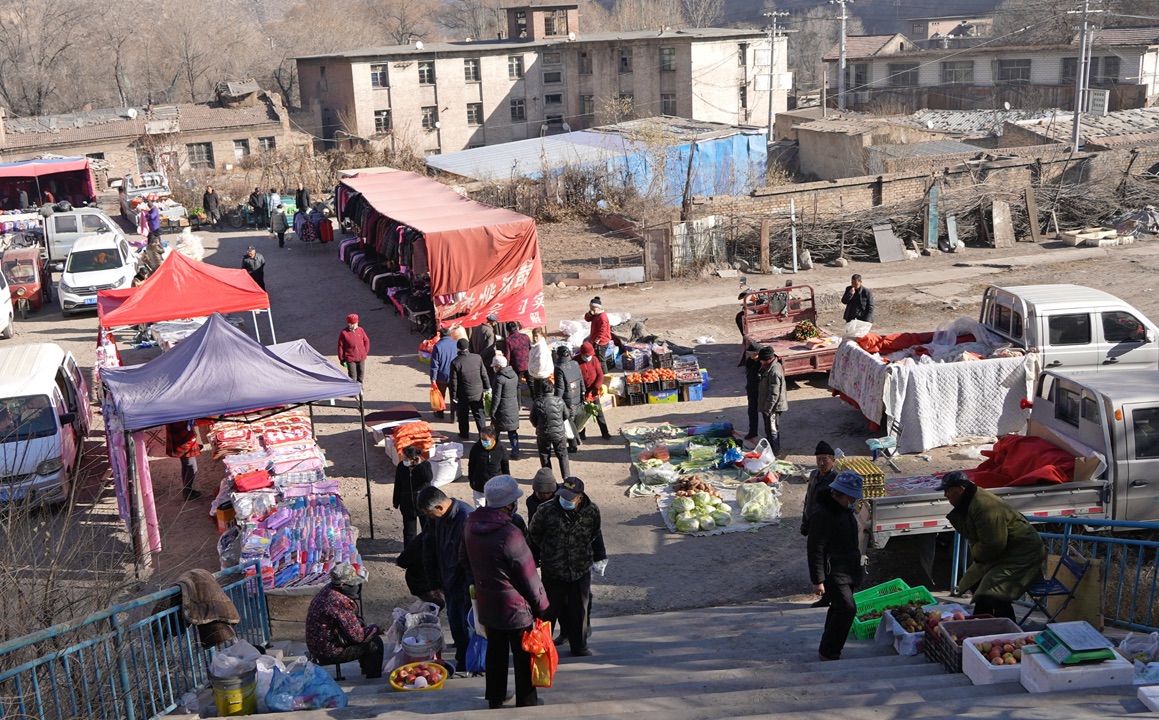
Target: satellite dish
x,y
571,37
418,45
438,124
1006,105
131,113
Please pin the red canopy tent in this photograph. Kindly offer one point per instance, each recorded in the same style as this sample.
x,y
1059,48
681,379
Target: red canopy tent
x,y
182,288
481,259
69,178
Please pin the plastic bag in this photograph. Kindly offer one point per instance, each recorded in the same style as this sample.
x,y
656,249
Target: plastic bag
x,y
659,475
303,686
477,647
753,492
1140,648
730,458
438,403
571,327
857,328
763,458
235,660
544,658
265,675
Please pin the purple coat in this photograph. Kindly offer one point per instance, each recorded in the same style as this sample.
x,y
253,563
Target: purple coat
x,y
508,592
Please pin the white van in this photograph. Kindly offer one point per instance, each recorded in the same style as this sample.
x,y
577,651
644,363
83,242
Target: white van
x,y
44,419
63,229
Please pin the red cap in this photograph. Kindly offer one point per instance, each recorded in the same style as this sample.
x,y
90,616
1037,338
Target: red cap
x,y
351,319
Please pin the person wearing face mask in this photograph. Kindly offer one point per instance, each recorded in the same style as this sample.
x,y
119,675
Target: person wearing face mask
x,y
446,518
819,482
353,347
835,567
566,533
487,459
593,377
411,475
509,595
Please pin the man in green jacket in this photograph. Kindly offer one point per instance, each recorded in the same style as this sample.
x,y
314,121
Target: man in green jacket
x,y
1007,552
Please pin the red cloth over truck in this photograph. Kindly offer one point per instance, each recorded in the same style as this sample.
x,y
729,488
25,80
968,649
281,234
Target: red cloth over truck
x,y
1023,460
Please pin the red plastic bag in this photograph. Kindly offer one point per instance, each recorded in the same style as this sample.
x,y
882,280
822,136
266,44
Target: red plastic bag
x,y
544,657
438,404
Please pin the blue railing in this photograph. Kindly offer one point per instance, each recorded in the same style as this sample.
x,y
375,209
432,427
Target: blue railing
x,y
1130,565
131,661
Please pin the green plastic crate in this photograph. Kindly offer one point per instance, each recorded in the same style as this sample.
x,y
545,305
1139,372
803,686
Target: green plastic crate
x,y
865,629
887,588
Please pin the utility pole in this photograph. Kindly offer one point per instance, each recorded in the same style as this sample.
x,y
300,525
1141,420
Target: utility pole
x,y
1076,130
841,60
772,29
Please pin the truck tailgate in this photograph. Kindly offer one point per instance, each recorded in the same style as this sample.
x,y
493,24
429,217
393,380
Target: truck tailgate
x,y
800,358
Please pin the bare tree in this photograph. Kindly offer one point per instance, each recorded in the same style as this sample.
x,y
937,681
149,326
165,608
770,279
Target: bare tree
x,y
1044,22
475,19
702,13
817,31
403,21
35,38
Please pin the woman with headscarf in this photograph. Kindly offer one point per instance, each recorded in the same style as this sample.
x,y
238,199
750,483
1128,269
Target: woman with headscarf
x,y
335,634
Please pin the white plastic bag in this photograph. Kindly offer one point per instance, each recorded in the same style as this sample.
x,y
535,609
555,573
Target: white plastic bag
x,y
265,675
1138,647
857,328
446,464
571,327
659,475
761,462
235,660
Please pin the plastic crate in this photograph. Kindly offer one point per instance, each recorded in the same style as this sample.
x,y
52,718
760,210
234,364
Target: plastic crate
x,y
886,588
652,387
669,385
663,359
635,399
635,361
634,389
950,652
865,629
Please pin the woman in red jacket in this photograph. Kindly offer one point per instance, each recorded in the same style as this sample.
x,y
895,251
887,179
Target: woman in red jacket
x,y
600,335
353,347
593,375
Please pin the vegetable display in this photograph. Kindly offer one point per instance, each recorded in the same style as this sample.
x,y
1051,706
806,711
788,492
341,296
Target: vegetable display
x,y
690,486
758,502
803,331
700,511
653,375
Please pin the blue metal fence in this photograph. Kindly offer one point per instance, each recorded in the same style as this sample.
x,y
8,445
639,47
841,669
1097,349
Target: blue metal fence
x,y
1130,565
131,661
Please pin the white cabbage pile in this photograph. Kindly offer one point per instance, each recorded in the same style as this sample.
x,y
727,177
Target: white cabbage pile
x,y
701,512
758,502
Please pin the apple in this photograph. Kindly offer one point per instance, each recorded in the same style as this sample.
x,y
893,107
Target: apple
x,y
994,653
1007,648
985,647
1018,654
996,661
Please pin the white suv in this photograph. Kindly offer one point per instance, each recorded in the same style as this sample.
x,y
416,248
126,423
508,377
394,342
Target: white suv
x,y
98,262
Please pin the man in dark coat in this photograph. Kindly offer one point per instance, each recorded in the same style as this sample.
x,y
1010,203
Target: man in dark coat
x,y
508,593
835,559
442,355
569,387
210,203
819,481
302,199
566,532
259,204
411,475
772,395
353,347
505,403
752,385
468,381
593,378
254,264
1007,552
483,339
858,301
417,582
486,459
543,487
446,519
549,417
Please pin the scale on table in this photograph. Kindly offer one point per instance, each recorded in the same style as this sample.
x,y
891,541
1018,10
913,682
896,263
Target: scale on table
x,y
1070,643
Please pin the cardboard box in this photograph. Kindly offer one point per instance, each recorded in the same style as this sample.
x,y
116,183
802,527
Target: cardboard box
x,y
980,670
607,402
1040,673
692,393
663,397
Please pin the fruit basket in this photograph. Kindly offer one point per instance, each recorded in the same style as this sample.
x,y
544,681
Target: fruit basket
x,y
869,613
886,588
951,634
405,678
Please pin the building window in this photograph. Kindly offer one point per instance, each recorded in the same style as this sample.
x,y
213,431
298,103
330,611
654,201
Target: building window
x,y
856,76
427,72
1013,72
378,76
668,104
554,77
95,156
555,23
958,72
474,113
430,118
625,60
518,110
553,99
555,120
903,74
1070,70
382,122
200,155
742,53
471,70
587,104
1110,71
585,63
267,144
514,66
627,104
918,30
241,149
520,24
552,58
743,94
667,59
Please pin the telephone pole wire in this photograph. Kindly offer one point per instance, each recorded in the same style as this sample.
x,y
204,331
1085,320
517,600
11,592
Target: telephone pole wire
x,y
1076,131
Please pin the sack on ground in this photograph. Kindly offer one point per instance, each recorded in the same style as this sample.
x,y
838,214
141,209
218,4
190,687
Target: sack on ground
x,y
857,328
537,642
304,686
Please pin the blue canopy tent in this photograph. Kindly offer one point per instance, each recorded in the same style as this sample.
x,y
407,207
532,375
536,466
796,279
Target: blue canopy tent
x,y
219,370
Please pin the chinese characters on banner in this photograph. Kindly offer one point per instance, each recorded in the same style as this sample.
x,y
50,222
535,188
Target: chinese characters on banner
x,y
516,296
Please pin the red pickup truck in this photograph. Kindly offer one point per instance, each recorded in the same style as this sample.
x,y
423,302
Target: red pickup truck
x,y
768,317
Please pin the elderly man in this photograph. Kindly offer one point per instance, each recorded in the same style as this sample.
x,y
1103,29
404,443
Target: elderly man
x,y
254,264
483,339
446,518
1007,552
819,481
469,382
858,301
835,567
353,347
335,633
442,354
772,395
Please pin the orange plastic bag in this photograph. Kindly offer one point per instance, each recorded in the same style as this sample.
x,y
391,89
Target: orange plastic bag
x,y
544,657
438,404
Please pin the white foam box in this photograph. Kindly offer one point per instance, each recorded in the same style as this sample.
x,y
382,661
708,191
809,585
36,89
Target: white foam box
x,y
1149,696
1040,673
980,670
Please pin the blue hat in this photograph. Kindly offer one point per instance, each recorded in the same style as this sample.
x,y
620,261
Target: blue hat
x,y
848,483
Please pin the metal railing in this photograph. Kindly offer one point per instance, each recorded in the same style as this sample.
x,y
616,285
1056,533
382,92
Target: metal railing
x,y
1130,566
131,661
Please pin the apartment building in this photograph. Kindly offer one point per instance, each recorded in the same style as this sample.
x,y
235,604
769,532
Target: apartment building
x,y
545,77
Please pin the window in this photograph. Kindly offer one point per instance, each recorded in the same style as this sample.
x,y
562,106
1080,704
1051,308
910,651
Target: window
x,y
94,223
1070,70
668,103
552,78
959,72
1123,327
1110,71
382,122
430,118
65,223
742,52
903,74
1070,329
856,76
667,59
520,24
515,66
625,60
518,110
95,156
587,104
555,23
427,72
555,120
266,144
918,30
553,99
1006,321
743,93
1013,72
474,113
200,155
241,149
471,69
585,63
1066,406
1146,432
1090,409
378,76
552,58
627,104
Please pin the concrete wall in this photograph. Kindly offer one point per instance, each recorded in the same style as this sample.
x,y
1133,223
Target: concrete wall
x,y
831,155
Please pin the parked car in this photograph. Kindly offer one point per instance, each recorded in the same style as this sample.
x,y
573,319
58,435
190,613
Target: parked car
x,y
100,262
63,229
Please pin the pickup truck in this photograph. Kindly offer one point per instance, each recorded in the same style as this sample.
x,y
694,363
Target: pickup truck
x,y
135,191
63,229
1108,421
768,317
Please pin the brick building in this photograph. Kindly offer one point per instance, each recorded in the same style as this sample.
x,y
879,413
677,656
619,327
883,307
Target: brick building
x,y
948,31
546,77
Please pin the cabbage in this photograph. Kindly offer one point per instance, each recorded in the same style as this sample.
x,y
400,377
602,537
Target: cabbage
x,y
750,492
687,525
722,517
702,498
685,517
707,523
757,511
717,502
682,504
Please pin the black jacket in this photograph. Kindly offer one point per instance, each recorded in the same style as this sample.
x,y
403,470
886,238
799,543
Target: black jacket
x,y
569,383
858,305
548,416
411,560
484,464
443,538
566,542
259,200
302,200
752,377
468,380
818,485
408,481
209,202
505,400
833,549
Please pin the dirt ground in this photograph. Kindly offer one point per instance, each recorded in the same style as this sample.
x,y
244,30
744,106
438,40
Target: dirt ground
x,y
649,569
575,245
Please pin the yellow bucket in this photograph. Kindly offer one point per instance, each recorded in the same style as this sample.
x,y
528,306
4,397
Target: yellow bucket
x,y
235,695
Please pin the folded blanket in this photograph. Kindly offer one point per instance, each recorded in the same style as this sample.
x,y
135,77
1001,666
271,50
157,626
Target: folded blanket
x,y
203,601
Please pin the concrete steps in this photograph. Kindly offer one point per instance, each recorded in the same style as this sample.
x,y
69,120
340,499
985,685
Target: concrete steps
x,y
752,661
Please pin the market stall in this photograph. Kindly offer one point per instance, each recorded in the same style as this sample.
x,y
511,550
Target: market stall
x,y
217,374
66,179
439,257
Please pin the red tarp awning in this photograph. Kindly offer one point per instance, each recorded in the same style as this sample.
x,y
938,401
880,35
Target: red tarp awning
x,y
181,288
34,170
481,259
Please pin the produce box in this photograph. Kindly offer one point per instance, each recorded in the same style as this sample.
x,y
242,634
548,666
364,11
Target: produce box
x,y
982,671
886,588
663,397
692,393
904,643
635,361
635,399
951,634
607,401
863,629
662,357
1040,673
872,476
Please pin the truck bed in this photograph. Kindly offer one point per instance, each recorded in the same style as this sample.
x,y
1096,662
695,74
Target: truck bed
x,y
769,316
799,358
